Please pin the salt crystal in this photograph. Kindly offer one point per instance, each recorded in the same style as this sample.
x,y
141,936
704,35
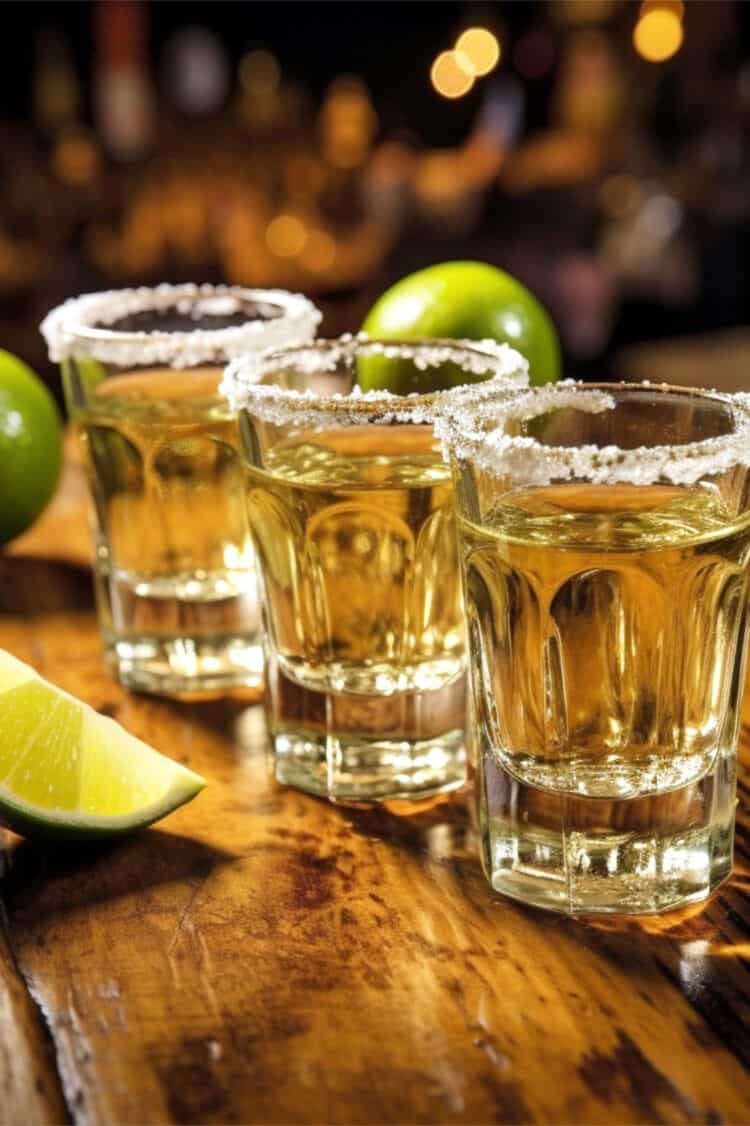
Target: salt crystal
x,y
311,409
475,432
75,327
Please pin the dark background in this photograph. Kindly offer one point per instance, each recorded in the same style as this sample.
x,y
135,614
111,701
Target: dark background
x,y
618,189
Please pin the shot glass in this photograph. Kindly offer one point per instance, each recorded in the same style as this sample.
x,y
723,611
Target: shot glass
x,y
351,514
173,564
604,534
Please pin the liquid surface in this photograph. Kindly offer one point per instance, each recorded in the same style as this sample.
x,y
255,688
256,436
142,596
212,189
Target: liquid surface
x,y
607,622
354,532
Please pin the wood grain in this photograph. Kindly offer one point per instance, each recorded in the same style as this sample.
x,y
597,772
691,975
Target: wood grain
x,y
266,957
29,1088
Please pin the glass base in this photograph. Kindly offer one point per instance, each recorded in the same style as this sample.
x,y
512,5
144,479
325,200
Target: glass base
x,y
186,667
366,748
601,856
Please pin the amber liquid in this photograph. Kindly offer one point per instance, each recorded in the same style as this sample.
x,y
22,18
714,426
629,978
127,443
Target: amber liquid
x,y
607,627
174,560
355,538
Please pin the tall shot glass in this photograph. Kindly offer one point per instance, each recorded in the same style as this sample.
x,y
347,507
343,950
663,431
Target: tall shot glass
x,y
604,533
173,565
351,513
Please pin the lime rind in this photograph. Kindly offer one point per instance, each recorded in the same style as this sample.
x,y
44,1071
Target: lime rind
x,y
28,820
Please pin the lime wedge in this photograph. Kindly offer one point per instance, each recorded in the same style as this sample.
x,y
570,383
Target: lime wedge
x,y
68,771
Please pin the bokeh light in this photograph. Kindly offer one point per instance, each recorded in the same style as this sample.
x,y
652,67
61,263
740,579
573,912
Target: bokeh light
x,y
347,122
620,194
259,72
196,71
286,236
480,47
75,158
451,75
660,216
319,252
658,35
581,13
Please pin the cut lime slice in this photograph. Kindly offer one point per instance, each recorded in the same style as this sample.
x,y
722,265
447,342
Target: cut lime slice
x,y
68,771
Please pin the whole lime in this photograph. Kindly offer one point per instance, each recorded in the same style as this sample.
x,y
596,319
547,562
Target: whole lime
x,y
457,300
30,446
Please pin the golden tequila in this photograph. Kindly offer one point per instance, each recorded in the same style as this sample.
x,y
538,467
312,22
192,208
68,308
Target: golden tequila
x,y
351,511
608,624
142,371
174,568
354,532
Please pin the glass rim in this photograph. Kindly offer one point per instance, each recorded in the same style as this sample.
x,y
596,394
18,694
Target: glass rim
x,y
75,328
272,403
535,463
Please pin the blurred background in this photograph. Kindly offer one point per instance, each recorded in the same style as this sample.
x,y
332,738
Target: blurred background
x,y
597,149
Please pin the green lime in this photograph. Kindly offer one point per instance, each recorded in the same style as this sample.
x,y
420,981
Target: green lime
x,y
457,300
68,771
30,446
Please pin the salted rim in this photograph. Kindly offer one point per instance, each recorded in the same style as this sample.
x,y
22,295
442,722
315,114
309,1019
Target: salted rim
x,y
528,461
280,405
69,329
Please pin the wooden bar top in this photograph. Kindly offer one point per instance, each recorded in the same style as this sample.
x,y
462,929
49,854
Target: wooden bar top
x,y
264,957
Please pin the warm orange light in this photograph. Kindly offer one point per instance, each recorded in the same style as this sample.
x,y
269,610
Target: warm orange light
x,y
348,122
658,35
450,75
319,253
286,235
581,13
480,48
76,159
259,72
